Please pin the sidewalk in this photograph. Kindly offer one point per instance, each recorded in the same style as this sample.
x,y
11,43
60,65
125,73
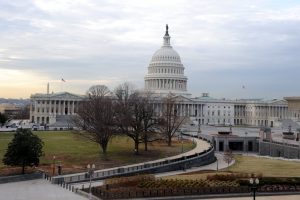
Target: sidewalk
x,y
34,190
201,145
220,164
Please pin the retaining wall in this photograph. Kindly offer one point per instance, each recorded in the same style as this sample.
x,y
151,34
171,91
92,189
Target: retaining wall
x,y
275,149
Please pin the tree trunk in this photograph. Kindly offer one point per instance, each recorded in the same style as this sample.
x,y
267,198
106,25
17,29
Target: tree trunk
x,y
23,167
146,142
136,147
169,140
104,151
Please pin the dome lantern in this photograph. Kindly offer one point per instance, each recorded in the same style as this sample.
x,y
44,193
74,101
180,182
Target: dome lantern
x,y
167,37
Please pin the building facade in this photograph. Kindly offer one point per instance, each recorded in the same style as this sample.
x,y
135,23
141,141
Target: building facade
x,y
165,71
53,109
165,76
294,107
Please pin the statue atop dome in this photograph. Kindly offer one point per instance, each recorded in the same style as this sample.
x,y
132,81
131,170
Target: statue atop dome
x,y
167,30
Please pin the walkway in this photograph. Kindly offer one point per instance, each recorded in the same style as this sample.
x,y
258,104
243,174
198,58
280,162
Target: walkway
x,y
39,189
201,146
220,163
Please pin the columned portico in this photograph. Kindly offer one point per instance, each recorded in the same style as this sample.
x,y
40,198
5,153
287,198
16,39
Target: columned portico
x,y
46,108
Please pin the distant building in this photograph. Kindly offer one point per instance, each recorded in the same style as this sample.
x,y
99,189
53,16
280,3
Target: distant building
x,y
10,110
166,76
54,109
294,107
165,71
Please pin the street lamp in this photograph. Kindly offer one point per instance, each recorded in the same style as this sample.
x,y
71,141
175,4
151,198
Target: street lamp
x,y
254,182
199,129
246,146
91,169
181,143
53,165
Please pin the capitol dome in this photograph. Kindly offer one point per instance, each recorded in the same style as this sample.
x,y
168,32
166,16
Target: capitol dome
x,y
165,71
166,53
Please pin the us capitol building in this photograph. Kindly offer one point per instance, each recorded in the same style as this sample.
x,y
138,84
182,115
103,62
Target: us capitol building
x,y
166,75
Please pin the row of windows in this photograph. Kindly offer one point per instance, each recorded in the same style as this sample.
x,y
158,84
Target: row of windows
x,y
43,110
165,64
55,102
219,121
266,108
218,106
166,70
219,113
166,58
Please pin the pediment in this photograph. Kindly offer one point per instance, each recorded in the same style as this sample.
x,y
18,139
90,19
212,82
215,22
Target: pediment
x,y
181,98
66,96
278,102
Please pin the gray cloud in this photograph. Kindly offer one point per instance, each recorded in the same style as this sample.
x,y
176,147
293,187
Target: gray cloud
x,y
230,42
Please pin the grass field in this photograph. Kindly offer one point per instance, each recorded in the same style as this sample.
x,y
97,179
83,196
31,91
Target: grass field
x,y
268,167
74,152
250,164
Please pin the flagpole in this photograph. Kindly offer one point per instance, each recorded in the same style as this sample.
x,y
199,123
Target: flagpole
x,y
61,84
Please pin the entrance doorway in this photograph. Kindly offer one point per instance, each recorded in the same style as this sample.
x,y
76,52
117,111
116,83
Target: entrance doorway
x,y
221,146
250,146
236,146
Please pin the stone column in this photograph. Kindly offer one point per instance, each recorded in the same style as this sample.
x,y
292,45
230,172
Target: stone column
x,y
50,107
59,107
73,107
54,110
64,107
69,107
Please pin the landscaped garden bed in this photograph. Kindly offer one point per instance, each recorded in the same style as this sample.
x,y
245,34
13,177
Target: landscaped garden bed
x,y
148,186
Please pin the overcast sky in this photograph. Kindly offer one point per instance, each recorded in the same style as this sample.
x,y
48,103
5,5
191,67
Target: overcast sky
x,y
224,45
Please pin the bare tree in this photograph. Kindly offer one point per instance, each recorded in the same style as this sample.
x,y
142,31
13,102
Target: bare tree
x,y
228,156
129,115
97,116
170,120
135,115
150,122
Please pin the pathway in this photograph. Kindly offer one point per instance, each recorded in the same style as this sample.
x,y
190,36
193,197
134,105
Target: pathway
x,y
39,189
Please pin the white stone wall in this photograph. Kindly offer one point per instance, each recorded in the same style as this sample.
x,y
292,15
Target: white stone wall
x,y
45,108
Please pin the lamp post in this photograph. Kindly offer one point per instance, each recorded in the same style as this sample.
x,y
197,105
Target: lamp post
x,y
91,169
199,129
53,165
181,143
254,182
246,145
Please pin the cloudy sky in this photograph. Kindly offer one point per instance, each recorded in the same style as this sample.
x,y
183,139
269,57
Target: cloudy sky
x,y
224,45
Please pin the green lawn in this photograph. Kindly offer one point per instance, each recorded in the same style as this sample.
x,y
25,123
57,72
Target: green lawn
x,y
249,164
268,167
75,152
